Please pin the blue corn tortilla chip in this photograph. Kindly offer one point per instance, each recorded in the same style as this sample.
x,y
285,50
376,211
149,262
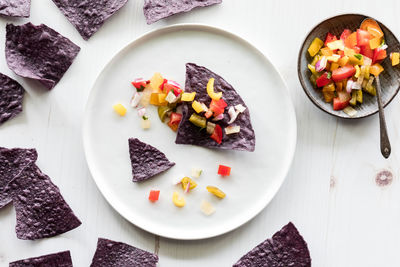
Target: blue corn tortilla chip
x,y
60,259
40,208
12,163
286,248
146,160
196,81
154,10
117,254
39,53
89,15
15,8
11,97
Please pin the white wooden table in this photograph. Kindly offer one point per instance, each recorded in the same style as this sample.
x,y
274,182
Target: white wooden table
x,y
330,194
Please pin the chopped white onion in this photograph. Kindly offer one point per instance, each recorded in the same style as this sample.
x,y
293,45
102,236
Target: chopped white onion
x,y
171,98
207,208
367,61
240,108
219,117
174,84
196,172
232,129
233,114
146,124
137,96
349,86
383,47
356,86
141,111
176,181
350,111
210,127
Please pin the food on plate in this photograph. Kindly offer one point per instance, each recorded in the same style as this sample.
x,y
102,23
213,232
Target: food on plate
x,y
286,248
216,191
217,106
154,195
178,200
60,259
12,163
111,253
188,184
395,58
196,172
15,8
154,10
120,109
39,53
146,160
344,67
207,208
224,170
145,122
88,16
40,208
11,97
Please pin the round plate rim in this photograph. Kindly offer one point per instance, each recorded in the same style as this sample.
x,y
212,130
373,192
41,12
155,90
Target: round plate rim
x,y
290,110
304,86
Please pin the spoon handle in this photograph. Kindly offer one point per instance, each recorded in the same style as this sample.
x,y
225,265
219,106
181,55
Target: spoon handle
x,y
385,143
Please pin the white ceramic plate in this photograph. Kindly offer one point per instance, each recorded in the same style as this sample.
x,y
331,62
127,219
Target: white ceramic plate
x,y
256,176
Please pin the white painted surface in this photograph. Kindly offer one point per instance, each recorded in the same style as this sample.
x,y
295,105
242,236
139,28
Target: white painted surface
x,y
355,223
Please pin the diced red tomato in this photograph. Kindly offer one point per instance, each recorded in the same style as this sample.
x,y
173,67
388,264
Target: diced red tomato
x,y
351,40
367,51
174,121
224,170
329,38
341,101
343,73
218,107
162,85
340,53
217,134
346,33
363,37
379,55
324,79
154,195
140,83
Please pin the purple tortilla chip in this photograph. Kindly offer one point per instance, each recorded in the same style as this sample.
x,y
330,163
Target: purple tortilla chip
x,y
154,10
286,248
60,259
40,208
196,81
39,53
11,97
12,163
147,161
15,8
88,15
117,254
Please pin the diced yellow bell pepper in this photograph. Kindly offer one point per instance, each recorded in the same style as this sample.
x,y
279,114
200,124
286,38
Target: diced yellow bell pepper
x,y
326,52
336,45
370,90
375,42
359,96
120,109
376,69
328,92
334,66
216,191
395,57
315,60
178,200
356,59
155,99
333,58
161,99
358,71
312,69
197,106
353,100
343,61
315,46
156,81
210,90
349,52
328,96
185,181
366,73
188,96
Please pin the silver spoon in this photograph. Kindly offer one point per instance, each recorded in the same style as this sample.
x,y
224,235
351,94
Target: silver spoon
x,y
385,143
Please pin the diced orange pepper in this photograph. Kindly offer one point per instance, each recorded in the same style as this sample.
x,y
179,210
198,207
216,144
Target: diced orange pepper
x,y
343,61
334,66
155,99
351,40
376,69
326,51
375,42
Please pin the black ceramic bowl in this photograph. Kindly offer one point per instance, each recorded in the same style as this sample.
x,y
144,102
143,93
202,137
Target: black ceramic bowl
x,y
390,78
